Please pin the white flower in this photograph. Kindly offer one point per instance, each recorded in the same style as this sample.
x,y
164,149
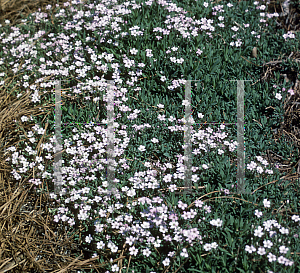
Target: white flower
x,y
220,152
133,51
207,247
200,115
146,252
278,96
283,249
268,225
24,118
296,218
214,245
166,262
161,117
180,61
89,238
250,249
41,167
266,203
114,248
163,78
199,51
145,225
284,230
262,7
271,257
217,222
184,253
154,140
281,260
261,251
157,243
258,213
258,232
204,166
171,118
267,243
131,192
142,148
172,188
133,251
115,268
185,102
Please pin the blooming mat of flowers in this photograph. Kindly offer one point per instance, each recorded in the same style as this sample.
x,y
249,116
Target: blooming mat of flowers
x,y
143,223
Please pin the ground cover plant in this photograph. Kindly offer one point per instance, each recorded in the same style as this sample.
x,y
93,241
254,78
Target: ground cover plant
x,y
150,49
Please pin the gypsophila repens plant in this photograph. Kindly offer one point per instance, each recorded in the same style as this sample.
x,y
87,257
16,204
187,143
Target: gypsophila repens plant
x,y
151,48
